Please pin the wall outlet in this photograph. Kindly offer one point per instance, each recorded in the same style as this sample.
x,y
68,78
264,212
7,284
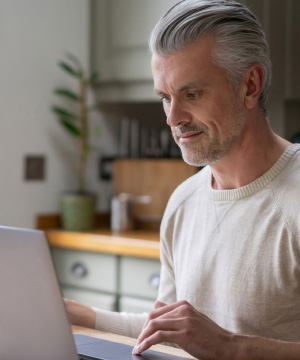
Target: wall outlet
x,y
106,168
34,167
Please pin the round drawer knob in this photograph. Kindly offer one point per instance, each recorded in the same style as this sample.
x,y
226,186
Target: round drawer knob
x,y
154,281
79,270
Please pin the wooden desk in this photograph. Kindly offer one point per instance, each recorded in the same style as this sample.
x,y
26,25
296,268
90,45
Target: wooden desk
x,y
127,341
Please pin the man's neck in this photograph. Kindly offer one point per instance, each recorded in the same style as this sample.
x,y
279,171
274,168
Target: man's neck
x,y
252,157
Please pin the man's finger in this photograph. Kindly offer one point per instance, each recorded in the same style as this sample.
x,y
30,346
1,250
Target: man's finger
x,y
161,310
169,320
159,324
165,309
159,304
157,338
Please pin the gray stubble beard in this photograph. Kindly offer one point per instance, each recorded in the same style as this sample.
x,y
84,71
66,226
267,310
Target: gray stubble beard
x,y
202,154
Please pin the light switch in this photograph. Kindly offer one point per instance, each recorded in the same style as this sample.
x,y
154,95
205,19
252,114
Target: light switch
x,y
34,167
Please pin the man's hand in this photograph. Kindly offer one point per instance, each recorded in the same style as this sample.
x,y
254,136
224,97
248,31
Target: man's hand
x,y
183,325
79,314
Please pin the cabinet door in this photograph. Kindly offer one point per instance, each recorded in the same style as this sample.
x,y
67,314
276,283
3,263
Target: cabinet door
x,y
86,269
120,32
139,277
93,299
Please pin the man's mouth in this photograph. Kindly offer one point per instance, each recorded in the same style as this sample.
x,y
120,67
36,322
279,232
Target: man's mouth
x,y
188,136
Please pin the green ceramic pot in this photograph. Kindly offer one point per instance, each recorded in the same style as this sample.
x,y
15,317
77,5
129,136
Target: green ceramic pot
x,y
78,211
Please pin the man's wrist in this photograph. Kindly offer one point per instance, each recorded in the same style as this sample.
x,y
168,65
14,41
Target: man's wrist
x,y
240,347
251,347
89,318
234,348
237,347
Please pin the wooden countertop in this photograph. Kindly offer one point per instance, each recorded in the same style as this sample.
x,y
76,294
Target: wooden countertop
x,y
127,341
136,243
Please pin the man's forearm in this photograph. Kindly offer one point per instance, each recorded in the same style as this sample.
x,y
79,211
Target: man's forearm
x,y
79,314
259,348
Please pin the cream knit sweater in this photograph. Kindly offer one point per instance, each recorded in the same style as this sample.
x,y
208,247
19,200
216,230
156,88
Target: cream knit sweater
x,y
233,254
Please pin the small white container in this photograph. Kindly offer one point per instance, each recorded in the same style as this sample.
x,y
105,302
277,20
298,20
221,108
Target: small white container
x,y
121,210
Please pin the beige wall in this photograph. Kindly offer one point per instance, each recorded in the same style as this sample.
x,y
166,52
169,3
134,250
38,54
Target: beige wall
x,y
34,35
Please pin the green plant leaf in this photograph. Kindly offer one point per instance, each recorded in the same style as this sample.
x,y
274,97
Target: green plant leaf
x,y
69,69
74,60
71,128
62,112
67,93
93,78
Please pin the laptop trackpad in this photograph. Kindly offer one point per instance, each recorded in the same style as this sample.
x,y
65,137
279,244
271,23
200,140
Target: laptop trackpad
x,y
109,350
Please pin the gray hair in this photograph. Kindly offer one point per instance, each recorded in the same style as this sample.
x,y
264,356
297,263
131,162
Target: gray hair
x,y
241,42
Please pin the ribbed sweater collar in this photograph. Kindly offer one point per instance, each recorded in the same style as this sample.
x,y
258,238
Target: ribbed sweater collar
x,y
256,185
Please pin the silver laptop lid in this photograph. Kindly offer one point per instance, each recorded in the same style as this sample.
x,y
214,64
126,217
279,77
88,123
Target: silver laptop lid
x,y
33,321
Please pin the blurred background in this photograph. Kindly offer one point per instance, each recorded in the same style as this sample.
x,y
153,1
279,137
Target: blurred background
x,y
38,159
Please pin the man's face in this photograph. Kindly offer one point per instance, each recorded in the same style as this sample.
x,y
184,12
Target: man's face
x,y
206,115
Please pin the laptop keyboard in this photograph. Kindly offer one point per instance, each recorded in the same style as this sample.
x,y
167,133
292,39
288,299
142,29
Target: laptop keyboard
x,y
86,357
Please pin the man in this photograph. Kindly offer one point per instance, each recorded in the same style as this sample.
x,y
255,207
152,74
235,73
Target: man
x,y
230,248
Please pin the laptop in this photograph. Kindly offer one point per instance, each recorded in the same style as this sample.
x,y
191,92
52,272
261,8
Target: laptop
x,y
33,321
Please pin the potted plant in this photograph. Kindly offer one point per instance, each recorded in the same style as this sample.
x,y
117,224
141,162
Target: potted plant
x,y
77,207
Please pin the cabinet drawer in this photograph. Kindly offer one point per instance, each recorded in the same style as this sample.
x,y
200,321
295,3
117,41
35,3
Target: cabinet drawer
x,y
86,269
139,277
102,301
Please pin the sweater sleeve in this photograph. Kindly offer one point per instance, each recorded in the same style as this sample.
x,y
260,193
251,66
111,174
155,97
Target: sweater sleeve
x,y
123,323
129,324
167,286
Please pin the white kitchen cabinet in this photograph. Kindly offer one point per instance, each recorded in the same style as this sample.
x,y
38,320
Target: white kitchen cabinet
x,y
120,32
139,277
86,270
111,282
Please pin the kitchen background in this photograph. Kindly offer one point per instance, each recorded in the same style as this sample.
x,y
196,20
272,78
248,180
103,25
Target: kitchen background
x,y
109,36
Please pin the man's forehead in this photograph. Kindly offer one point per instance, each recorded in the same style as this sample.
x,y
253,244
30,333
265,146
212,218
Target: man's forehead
x,y
159,88
181,73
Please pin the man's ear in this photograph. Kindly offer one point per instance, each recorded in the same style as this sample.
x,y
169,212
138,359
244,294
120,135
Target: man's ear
x,y
252,85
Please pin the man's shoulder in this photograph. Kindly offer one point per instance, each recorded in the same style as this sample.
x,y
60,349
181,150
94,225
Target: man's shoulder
x,y
289,177
286,188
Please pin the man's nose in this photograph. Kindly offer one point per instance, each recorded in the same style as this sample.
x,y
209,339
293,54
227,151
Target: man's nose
x,y
176,115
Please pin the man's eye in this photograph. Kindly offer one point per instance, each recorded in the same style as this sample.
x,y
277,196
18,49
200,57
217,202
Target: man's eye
x,y
192,95
164,99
